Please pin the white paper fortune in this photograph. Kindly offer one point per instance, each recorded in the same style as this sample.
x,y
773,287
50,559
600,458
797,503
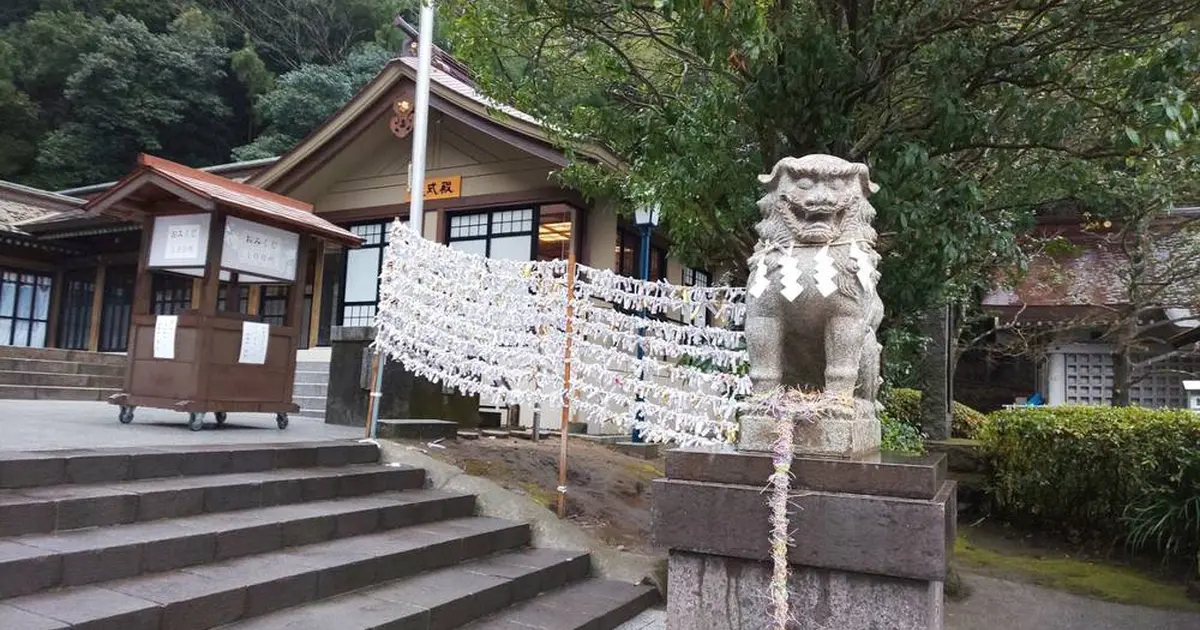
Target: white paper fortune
x,y
164,336
183,242
254,343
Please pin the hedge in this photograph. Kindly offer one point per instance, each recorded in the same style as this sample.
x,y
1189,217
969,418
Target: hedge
x,y
905,405
899,437
1117,473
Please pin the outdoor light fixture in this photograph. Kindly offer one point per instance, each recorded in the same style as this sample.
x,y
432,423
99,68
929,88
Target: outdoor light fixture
x,y
647,216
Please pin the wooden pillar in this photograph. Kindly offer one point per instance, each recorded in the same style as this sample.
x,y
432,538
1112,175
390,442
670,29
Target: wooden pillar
x,y
197,287
296,294
142,283
97,308
56,292
314,316
253,299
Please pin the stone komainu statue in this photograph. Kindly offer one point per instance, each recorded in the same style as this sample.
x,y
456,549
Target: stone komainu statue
x,y
813,308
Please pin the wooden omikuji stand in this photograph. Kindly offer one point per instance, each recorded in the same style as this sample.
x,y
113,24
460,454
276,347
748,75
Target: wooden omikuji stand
x,y
206,359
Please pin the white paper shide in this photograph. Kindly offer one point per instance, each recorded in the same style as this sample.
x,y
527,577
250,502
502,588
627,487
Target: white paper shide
x,y
254,343
164,336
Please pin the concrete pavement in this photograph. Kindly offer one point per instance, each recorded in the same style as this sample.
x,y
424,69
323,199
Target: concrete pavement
x,y
39,424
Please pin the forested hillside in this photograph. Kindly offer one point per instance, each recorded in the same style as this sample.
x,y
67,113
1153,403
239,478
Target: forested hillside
x,y
87,84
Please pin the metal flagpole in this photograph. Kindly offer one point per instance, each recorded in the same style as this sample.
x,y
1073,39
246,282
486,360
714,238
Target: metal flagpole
x,y
566,397
416,182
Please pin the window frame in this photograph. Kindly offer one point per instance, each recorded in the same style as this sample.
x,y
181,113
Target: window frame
x,y
535,211
360,306
34,280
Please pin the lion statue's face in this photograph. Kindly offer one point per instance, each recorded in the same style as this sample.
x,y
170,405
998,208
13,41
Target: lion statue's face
x,y
816,207
816,200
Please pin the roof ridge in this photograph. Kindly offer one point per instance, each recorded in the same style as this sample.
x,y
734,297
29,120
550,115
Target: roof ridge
x,y
158,163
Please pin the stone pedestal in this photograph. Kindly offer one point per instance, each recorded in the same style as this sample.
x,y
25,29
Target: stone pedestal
x,y
872,541
405,396
854,433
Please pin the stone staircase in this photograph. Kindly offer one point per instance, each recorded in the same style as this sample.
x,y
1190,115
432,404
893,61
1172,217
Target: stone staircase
x,y
311,387
299,536
52,374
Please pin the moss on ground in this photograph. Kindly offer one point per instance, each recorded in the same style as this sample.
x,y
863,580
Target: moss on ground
x,y
1108,582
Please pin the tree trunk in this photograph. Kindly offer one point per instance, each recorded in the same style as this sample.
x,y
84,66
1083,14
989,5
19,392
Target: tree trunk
x,y
1122,374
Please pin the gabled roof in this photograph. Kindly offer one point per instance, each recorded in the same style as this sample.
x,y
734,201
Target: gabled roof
x,y
237,171
206,190
23,204
447,90
1091,273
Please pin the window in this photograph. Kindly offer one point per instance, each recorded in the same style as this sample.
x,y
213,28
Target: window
x,y
75,316
170,294
24,308
273,304
243,298
361,278
629,248
504,234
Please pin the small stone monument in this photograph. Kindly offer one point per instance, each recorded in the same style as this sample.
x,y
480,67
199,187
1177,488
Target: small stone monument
x,y
873,532
812,309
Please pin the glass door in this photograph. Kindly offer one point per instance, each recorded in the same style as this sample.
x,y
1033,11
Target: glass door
x,y
24,308
117,308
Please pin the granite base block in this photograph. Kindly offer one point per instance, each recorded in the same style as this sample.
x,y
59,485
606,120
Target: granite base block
x,y
830,437
719,593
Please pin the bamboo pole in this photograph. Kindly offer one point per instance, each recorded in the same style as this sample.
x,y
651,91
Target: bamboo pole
x,y
374,394
566,397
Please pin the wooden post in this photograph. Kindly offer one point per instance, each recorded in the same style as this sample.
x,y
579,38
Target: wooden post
x,y
372,395
314,316
56,298
566,398
197,287
252,300
93,343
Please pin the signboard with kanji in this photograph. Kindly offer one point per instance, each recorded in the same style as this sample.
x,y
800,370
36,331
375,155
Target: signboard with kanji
x,y
443,187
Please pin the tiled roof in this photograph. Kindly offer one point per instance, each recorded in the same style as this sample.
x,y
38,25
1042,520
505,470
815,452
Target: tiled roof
x,y
1094,272
458,86
255,202
22,204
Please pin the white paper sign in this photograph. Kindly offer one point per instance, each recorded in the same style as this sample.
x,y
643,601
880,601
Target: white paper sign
x,y
180,240
254,343
183,242
164,336
257,249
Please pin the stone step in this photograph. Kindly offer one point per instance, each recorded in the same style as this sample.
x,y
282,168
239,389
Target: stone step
x,y
445,598
33,392
417,429
60,367
55,354
225,592
310,402
310,413
24,469
317,367
58,379
33,563
311,390
588,605
305,377
55,508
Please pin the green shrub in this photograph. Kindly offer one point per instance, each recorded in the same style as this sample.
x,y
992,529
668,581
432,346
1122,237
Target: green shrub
x,y
900,437
905,405
1128,473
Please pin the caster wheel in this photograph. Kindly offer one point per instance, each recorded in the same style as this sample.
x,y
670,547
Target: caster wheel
x,y
195,421
126,414
281,420
220,416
